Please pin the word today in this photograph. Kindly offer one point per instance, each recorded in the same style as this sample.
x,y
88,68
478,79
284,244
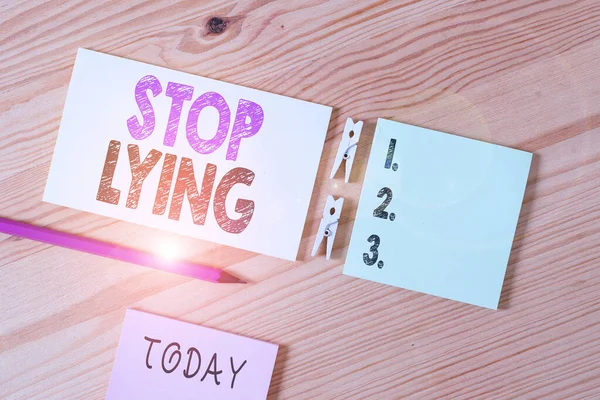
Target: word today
x,y
171,359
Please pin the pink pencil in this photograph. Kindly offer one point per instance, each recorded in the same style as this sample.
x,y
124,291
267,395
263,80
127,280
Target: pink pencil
x,y
115,252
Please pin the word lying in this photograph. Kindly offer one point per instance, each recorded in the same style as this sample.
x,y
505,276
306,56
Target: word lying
x,y
184,183
194,362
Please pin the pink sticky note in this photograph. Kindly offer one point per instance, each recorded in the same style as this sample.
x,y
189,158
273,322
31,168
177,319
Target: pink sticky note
x,y
162,358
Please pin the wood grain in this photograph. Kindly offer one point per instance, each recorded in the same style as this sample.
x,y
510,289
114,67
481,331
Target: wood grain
x,y
520,73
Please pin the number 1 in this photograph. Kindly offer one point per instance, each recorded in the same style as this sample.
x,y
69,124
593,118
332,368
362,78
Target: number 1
x,y
390,154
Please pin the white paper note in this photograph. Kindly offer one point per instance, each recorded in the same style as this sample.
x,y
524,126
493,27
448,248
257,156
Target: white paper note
x,y
187,154
161,358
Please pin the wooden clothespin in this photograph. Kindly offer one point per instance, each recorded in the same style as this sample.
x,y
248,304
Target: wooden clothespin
x,y
347,149
329,224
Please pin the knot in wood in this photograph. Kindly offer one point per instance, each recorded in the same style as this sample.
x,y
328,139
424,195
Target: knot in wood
x,y
216,25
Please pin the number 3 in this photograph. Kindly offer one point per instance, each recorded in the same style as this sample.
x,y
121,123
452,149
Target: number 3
x,y
372,260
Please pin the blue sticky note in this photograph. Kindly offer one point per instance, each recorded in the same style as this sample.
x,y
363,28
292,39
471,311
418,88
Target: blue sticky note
x,y
437,213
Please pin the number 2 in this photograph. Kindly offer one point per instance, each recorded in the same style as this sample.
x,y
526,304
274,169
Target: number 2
x,y
372,260
379,211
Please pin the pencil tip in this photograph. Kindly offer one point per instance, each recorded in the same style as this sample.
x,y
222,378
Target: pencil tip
x,y
226,278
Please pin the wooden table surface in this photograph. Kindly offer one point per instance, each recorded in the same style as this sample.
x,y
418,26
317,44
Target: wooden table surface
x,y
517,73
